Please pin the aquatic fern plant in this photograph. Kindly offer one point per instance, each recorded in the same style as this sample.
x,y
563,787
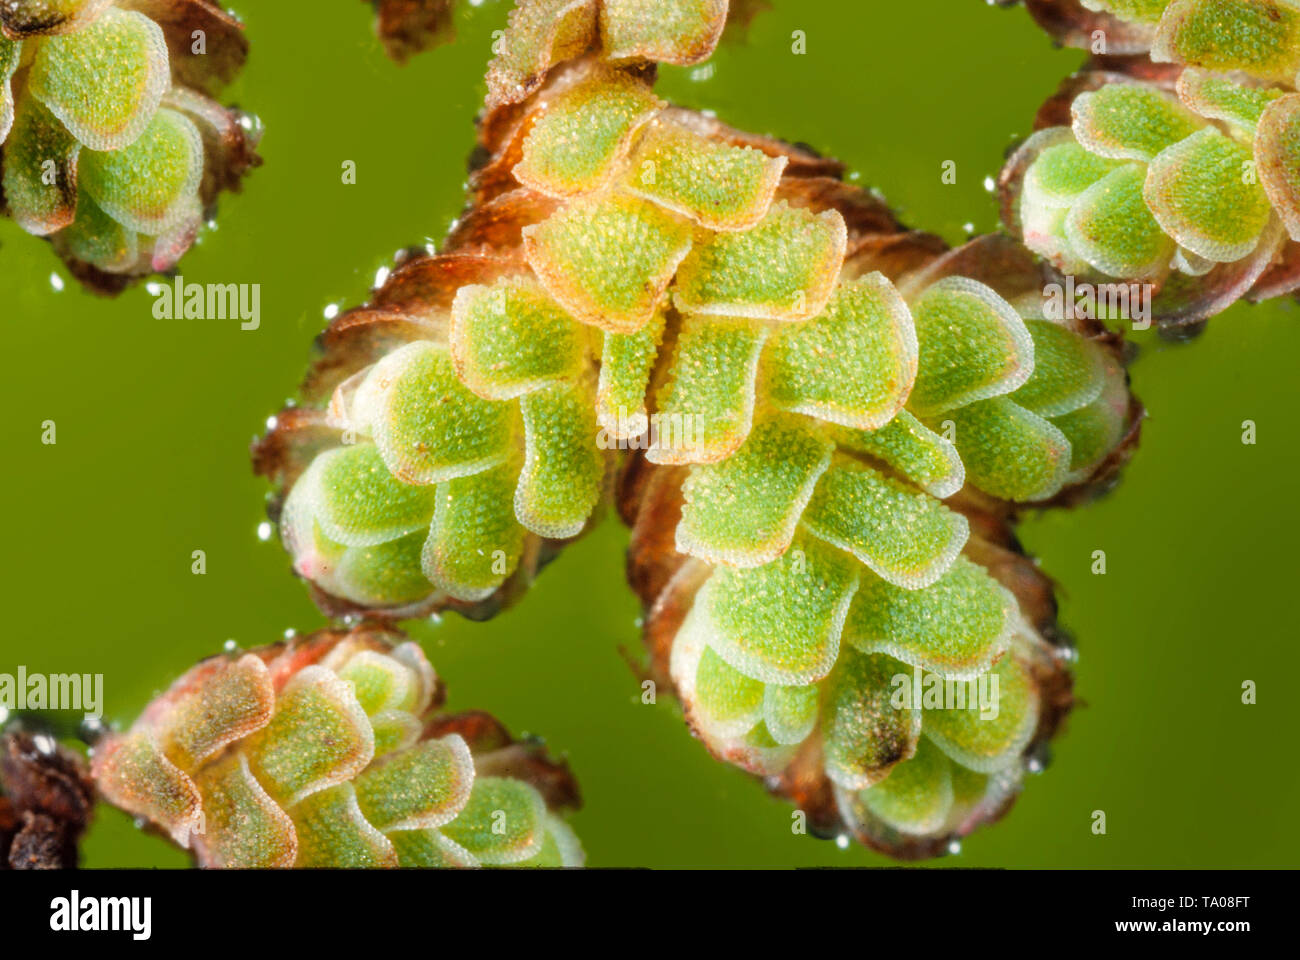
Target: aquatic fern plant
x,y
111,143
329,751
819,422
1173,159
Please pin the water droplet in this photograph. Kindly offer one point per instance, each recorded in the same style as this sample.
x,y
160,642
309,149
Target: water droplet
x,y
990,184
230,646
56,282
435,619
331,311
1037,761
264,531
92,728
842,841
954,847
969,229
290,633
252,124
271,422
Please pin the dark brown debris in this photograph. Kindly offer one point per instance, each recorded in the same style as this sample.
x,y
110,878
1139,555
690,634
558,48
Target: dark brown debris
x,y
408,27
46,802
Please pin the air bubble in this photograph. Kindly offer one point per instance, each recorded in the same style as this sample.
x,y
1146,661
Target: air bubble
x,y
56,282
842,841
264,531
331,311
954,847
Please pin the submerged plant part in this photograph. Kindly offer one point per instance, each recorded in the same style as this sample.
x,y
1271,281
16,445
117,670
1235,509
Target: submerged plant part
x,y
110,141
903,717
1175,165
328,751
824,422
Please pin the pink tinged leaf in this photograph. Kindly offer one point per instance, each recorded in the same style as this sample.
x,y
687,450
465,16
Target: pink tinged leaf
x,y
211,706
132,773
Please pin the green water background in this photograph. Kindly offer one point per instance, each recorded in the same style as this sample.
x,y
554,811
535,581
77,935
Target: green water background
x,y
154,418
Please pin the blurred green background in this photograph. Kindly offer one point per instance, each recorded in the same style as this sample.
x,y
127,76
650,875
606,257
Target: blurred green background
x,y
154,418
